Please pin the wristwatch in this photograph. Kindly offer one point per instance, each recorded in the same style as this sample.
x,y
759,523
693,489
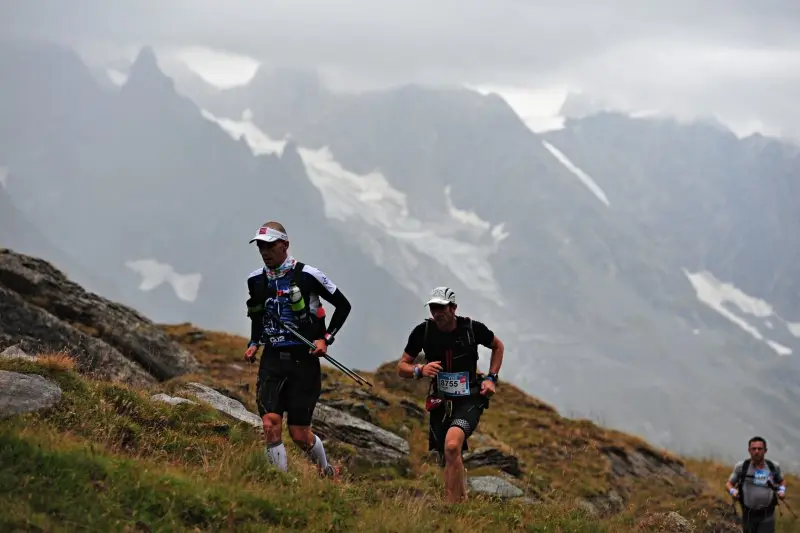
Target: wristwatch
x,y
329,338
493,377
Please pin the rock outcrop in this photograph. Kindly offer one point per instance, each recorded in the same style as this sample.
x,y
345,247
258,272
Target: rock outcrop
x,y
493,458
494,486
670,522
44,311
627,463
601,505
222,403
24,393
643,462
374,445
15,352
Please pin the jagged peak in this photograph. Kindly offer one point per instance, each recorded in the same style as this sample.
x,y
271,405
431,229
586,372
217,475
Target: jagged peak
x,y
145,73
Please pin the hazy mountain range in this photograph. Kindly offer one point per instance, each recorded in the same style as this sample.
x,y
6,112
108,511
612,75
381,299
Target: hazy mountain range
x,y
641,271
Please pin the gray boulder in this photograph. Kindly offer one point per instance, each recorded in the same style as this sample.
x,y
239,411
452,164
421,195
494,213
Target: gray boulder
x,y
494,486
15,352
24,393
34,330
222,403
374,444
43,310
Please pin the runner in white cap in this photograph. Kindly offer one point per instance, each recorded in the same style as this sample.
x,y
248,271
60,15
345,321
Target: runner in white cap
x,y
458,395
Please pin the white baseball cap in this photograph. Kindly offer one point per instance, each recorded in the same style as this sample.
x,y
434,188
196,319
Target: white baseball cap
x,y
442,296
268,234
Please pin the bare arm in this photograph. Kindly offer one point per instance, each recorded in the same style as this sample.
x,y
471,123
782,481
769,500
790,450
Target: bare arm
x,y
405,367
781,481
733,479
498,348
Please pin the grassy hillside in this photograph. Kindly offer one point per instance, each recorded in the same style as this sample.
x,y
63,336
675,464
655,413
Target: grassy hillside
x,y
108,458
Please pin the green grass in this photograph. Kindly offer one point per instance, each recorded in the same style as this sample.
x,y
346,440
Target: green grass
x,y
76,488
107,458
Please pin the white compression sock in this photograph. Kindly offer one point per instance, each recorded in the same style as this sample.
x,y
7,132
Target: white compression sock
x,y
276,454
317,452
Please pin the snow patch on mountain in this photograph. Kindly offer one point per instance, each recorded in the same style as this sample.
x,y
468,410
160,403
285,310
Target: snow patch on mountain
x,y
4,172
398,240
117,78
259,143
470,218
587,180
715,294
538,108
154,273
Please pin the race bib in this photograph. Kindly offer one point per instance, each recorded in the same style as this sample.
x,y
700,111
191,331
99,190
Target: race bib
x,y
453,383
761,478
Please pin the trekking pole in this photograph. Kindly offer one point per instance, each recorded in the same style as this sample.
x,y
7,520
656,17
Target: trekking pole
x,y
784,504
356,377
735,512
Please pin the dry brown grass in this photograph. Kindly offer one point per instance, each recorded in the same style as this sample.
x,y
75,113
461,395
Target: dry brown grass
x,y
57,361
563,460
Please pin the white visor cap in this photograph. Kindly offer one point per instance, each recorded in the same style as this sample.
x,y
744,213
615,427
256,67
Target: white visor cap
x,y
268,234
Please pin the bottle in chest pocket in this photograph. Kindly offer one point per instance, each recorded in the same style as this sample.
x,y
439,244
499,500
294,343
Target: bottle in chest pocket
x,y
296,301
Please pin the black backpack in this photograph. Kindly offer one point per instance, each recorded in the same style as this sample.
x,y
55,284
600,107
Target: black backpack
x,y
262,291
740,482
466,327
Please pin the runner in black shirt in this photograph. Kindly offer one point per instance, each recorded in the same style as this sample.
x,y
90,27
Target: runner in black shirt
x,y
458,394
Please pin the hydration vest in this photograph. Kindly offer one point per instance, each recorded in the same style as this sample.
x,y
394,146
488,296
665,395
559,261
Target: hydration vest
x,y
270,295
465,350
740,483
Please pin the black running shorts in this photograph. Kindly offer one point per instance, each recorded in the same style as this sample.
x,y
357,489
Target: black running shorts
x,y
465,414
289,381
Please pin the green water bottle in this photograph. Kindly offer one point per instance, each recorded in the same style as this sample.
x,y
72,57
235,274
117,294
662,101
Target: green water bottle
x,y
297,302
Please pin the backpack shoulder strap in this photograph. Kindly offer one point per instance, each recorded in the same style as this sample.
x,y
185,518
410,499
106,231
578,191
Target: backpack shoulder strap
x,y
740,481
772,469
745,468
470,332
425,336
298,272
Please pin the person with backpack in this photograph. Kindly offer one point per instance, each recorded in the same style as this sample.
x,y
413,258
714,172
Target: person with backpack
x,y
285,292
458,394
757,483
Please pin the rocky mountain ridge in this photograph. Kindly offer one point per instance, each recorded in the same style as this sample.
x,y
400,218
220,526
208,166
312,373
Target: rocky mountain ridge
x,y
393,192
613,481
43,311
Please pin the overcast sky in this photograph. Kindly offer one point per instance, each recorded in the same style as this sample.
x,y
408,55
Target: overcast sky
x,y
738,59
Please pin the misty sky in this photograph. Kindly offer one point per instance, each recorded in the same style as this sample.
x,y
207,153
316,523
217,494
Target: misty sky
x,y
737,59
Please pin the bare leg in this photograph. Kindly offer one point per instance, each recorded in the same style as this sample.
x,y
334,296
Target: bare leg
x,y
307,441
275,450
454,474
302,436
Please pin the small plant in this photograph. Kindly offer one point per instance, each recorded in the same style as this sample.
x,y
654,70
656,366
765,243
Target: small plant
x,y
57,361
